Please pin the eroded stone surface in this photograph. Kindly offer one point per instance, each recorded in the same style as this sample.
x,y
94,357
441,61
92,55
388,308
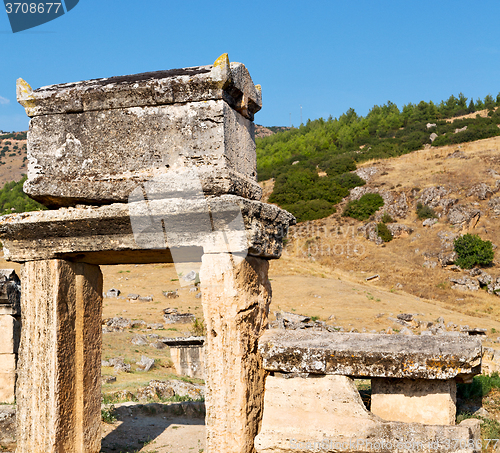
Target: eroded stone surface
x,y
371,355
104,235
222,80
325,413
7,378
427,401
59,383
236,298
100,157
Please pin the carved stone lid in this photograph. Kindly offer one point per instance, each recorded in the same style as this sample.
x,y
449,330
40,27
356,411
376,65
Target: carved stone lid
x,y
222,80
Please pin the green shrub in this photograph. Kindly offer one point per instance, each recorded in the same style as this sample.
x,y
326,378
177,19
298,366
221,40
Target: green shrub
x,y
311,209
481,385
384,232
386,218
349,180
425,212
363,208
472,250
108,415
13,199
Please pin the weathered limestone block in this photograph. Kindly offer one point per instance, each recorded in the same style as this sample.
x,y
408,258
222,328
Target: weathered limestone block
x,y
9,335
236,297
188,355
371,355
100,157
94,142
432,402
7,378
325,413
222,80
59,384
189,360
105,235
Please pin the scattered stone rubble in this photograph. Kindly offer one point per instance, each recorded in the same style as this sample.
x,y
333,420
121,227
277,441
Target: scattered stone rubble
x,y
172,316
476,279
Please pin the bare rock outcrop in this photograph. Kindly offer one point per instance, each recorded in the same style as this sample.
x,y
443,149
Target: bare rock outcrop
x,y
481,190
464,215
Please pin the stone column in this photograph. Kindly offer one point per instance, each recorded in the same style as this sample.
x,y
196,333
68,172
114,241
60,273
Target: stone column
x,y
236,298
59,388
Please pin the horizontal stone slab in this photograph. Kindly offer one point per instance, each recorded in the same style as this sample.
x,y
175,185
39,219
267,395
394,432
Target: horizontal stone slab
x,y
179,342
371,355
164,230
101,157
222,80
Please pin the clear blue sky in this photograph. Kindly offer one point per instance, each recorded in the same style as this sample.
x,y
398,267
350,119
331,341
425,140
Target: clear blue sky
x,y
324,55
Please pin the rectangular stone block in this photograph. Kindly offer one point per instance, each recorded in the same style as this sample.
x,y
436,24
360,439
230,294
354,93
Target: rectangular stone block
x,y
9,335
7,387
189,360
326,413
94,142
59,385
7,378
371,355
106,235
432,402
222,80
100,157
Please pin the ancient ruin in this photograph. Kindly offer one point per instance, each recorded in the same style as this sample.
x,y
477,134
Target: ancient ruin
x,y
188,355
10,329
161,168
90,146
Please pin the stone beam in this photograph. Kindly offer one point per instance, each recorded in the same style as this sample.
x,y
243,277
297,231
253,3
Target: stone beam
x,y
371,355
236,298
59,386
106,235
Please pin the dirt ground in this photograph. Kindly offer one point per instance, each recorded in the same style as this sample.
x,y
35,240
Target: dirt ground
x,y
149,430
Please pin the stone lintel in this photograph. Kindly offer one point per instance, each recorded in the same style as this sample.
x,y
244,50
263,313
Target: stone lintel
x,y
105,235
180,342
371,355
222,80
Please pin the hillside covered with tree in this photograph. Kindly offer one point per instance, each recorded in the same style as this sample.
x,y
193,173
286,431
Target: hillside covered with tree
x,y
334,146
13,199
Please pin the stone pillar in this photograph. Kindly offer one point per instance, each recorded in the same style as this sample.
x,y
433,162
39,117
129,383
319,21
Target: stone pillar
x,y
59,388
236,297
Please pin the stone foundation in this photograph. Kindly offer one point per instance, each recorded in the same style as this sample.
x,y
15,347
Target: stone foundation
x,y
325,413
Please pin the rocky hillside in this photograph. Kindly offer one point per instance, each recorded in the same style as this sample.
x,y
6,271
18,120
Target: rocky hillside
x,y
461,184
13,159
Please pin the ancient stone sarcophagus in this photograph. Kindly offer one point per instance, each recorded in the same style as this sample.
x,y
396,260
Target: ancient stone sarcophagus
x,y
94,142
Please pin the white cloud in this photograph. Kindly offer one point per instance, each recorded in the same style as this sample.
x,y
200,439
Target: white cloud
x,y
4,100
